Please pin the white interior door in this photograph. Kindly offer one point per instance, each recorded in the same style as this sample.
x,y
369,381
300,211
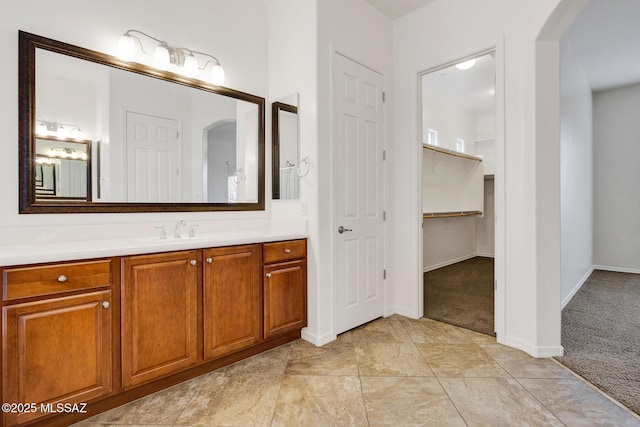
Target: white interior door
x,y
358,193
154,159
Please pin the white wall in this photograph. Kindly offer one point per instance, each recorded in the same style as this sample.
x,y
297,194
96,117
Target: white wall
x,y
236,32
576,173
362,33
486,225
616,138
527,177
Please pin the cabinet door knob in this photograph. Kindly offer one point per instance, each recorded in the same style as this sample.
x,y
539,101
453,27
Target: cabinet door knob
x,y
268,275
193,262
209,260
106,304
62,278
287,251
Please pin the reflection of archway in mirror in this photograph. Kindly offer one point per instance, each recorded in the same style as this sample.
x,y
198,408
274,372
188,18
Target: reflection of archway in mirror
x,y
220,154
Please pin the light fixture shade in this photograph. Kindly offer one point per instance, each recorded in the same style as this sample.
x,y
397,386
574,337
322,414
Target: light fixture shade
x,y
161,57
62,132
217,75
126,48
41,129
466,64
190,66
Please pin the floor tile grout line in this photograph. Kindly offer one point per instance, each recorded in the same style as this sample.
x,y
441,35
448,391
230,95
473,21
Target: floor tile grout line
x,y
593,387
436,378
538,400
284,374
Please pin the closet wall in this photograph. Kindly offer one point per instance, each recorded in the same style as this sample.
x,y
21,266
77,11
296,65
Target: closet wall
x,y
450,240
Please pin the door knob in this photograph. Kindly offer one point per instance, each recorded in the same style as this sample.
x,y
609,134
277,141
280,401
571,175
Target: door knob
x,y
341,229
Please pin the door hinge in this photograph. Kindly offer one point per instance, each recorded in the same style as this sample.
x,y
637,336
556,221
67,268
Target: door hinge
x,y
177,134
384,274
384,97
495,285
384,154
384,215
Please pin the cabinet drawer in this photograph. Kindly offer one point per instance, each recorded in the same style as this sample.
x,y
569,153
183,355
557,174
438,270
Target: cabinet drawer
x,y
24,282
284,251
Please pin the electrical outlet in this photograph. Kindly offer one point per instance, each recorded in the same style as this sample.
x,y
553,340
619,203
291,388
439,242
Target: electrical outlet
x,y
303,208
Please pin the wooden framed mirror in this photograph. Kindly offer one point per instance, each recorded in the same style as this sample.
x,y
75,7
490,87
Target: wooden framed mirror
x,y
154,139
285,148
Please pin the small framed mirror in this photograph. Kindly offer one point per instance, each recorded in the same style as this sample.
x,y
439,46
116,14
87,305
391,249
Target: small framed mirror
x,y
62,169
286,148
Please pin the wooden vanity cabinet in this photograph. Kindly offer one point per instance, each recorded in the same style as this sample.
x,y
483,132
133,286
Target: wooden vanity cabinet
x,y
159,315
285,287
56,349
106,332
231,299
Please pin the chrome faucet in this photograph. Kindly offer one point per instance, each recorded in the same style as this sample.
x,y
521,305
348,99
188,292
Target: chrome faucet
x,y
177,230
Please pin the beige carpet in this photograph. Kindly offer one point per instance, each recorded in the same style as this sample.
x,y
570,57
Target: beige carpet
x,y
462,294
601,335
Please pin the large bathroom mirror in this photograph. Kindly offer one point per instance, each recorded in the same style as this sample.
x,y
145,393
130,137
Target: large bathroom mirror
x,y
99,134
286,148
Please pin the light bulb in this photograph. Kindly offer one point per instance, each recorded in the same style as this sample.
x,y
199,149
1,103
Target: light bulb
x,y
161,57
78,134
62,132
190,66
217,75
466,64
126,47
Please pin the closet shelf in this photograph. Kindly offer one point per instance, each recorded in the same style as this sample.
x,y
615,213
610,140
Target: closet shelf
x,y
450,214
450,152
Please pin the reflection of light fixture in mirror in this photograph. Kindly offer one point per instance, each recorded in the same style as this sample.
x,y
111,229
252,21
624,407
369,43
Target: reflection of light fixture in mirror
x,y
59,130
67,153
465,65
164,55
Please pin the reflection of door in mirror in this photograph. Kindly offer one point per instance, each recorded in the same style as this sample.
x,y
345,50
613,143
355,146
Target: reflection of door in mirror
x,y
154,161
285,148
63,169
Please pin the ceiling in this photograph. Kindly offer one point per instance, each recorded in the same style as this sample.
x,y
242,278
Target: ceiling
x,y
472,89
606,39
397,8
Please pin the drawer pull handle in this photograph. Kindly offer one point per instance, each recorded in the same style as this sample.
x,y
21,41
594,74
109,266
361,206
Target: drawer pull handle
x,y
106,304
268,275
193,262
209,260
62,278
287,251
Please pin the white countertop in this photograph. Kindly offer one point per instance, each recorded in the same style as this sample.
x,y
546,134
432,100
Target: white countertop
x,y
32,253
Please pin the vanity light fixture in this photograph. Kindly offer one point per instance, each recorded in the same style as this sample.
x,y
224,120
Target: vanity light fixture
x,y
59,130
164,55
465,65
67,153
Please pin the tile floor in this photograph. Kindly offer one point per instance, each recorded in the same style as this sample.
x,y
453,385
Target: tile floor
x,y
390,372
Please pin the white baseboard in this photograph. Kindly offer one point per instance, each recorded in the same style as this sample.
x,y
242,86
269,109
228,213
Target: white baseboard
x,y
617,269
535,351
449,262
486,254
317,340
575,290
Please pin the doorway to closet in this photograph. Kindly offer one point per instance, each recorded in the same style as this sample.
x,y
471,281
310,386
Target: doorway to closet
x,y
458,131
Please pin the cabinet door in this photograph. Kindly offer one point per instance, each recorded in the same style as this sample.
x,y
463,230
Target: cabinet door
x,y
232,308
57,350
285,297
159,315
